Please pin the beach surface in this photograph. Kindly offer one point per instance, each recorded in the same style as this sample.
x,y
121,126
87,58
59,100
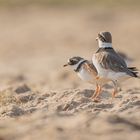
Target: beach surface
x,y
39,99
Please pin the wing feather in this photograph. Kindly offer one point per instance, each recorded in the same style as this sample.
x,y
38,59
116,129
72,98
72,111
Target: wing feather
x,y
90,68
113,62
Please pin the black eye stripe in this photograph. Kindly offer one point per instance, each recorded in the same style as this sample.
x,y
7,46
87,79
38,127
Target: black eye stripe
x,y
75,60
101,38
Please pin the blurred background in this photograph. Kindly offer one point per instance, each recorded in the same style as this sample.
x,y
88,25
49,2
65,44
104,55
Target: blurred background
x,y
38,36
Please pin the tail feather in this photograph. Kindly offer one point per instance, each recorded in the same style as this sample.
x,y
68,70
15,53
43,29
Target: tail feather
x,y
133,68
133,71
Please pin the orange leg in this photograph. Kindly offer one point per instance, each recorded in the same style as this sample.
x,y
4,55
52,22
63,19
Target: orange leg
x,y
114,94
115,89
97,93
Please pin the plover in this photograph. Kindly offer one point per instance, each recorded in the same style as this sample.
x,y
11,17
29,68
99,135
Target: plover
x,y
109,64
87,72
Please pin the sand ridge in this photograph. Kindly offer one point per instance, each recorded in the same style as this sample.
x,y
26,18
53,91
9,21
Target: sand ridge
x,y
70,114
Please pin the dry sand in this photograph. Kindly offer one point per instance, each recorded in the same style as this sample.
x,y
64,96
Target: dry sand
x,y
39,99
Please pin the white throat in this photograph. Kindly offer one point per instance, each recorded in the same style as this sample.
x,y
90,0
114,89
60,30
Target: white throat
x,y
104,45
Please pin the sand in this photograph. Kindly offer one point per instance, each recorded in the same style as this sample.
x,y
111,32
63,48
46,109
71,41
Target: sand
x,y
40,99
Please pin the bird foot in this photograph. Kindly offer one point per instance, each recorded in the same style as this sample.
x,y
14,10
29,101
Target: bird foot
x,y
97,100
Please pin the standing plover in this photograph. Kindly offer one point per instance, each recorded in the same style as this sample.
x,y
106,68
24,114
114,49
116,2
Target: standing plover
x,y
87,72
109,64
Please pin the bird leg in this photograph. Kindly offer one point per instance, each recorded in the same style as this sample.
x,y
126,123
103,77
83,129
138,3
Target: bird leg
x,y
97,93
115,83
114,93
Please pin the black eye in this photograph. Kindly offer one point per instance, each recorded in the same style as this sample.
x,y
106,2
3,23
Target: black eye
x,y
72,62
101,38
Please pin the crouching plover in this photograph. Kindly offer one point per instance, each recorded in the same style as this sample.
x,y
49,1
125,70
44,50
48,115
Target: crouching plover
x,y
87,72
109,64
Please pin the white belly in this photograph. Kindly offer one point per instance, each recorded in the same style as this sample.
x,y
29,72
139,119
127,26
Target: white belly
x,y
86,76
109,74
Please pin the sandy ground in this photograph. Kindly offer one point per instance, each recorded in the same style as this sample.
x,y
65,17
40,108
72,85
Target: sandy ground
x,y
39,99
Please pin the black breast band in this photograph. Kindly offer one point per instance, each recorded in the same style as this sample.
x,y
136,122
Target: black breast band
x,y
79,66
102,49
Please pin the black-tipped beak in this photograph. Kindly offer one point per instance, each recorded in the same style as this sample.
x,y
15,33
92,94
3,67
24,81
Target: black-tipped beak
x,y
97,38
65,65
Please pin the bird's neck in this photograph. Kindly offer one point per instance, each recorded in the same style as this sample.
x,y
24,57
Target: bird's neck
x,y
104,45
78,66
